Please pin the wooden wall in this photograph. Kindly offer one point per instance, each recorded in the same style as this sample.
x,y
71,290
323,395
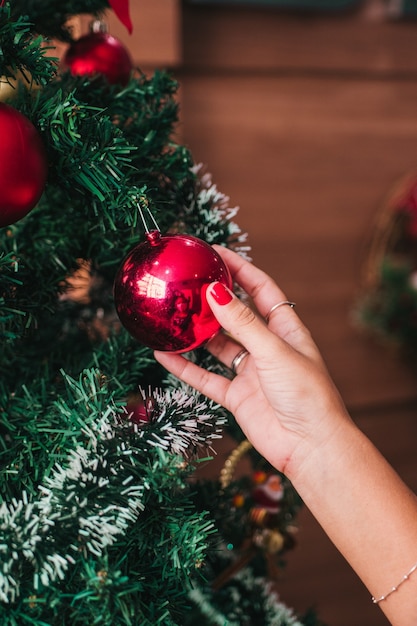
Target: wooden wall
x,y
307,122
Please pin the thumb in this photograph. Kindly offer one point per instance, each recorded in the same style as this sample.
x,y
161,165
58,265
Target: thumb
x,y
239,320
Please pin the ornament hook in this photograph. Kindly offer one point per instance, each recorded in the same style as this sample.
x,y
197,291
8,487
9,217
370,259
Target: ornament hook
x,y
98,26
153,236
149,216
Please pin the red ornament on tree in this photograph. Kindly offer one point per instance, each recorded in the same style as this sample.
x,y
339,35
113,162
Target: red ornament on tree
x,y
159,291
99,53
141,410
23,170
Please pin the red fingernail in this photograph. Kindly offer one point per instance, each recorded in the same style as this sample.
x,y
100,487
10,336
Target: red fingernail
x,y
221,293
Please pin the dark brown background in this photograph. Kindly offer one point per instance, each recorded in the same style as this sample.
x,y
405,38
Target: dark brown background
x,y
307,123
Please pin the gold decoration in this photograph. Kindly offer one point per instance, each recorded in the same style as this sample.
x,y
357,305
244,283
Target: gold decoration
x,y
32,601
272,541
102,576
228,469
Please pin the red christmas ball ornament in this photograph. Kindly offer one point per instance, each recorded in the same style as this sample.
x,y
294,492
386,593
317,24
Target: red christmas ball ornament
x,y
159,291
99,53
141,410
24,169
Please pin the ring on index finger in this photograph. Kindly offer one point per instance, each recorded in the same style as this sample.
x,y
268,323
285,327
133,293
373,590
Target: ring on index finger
x,y
276,306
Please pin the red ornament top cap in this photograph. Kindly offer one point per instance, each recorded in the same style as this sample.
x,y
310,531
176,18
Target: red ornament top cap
x,y
153,237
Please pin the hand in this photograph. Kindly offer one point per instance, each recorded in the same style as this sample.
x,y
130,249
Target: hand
x,y
289,409
282,395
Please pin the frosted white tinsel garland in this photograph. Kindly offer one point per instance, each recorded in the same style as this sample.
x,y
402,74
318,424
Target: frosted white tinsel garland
x,y
212,207
68,497
277,613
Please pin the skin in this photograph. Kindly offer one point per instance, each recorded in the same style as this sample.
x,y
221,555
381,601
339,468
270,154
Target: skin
x,y
290,410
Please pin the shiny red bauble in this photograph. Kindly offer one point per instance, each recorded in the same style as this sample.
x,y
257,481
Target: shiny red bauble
x,y
159,291
99,53
23,165
141,410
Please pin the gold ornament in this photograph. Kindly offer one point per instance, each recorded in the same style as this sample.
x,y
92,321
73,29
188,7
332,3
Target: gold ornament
x,y
228,469
272,541
102,576
32,601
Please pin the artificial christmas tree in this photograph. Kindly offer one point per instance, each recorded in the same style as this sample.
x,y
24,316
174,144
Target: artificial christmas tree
x,y
102,519
387,304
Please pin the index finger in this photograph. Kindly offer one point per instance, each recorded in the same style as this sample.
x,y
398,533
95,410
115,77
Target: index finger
x,y
264,292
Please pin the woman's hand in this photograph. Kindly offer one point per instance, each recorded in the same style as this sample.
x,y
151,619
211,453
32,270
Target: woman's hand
x,y
289,409
282,395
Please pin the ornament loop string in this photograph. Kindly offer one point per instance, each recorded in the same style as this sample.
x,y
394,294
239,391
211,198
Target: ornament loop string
x,y
149,216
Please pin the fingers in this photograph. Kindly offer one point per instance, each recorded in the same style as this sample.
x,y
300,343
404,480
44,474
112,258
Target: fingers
x,y
244,327
241,323
266,294
257,284
224,348
209,384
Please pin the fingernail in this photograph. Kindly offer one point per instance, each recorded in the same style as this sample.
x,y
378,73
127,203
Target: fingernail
x,y
221,293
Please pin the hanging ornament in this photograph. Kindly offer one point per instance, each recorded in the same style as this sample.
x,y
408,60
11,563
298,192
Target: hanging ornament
x,y
159,291
121,9
23,169
269,493
141,408
99,53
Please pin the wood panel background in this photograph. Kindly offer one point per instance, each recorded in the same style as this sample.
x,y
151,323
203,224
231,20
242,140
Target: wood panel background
x,y
156,37
307,122
308,147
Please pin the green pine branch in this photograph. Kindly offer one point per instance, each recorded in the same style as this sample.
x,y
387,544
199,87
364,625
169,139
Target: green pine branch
x,y
21,54
118,482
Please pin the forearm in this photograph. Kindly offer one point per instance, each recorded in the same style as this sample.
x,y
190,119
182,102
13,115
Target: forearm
x,y
369,514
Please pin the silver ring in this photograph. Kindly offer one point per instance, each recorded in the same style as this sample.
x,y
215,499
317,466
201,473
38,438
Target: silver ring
x,y
238,360
276,306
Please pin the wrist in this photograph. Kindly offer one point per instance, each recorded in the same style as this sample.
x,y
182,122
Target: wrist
x,y
333,438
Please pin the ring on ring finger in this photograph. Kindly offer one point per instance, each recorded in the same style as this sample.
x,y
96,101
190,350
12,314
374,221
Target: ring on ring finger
x,y
238,360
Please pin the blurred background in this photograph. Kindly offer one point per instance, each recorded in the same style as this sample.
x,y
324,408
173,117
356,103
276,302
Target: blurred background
x,y
305,113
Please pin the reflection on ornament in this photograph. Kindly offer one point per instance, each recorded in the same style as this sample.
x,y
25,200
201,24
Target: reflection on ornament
x,y
98,52
23,169
159,291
